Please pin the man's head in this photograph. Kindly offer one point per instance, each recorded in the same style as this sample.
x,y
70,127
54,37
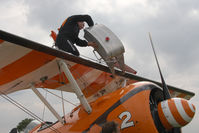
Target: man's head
x,y
80,25
110,127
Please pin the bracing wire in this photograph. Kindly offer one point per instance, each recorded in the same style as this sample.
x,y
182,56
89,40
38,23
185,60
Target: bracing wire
x,y
17,104
61,97
89,58
101,61
62,78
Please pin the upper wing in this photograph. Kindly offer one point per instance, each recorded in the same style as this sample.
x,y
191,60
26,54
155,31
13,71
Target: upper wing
x,y
23,62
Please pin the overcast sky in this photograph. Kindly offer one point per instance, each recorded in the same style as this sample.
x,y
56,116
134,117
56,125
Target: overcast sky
x,y
173,24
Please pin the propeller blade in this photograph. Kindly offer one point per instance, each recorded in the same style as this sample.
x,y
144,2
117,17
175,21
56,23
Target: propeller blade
x,y
166,93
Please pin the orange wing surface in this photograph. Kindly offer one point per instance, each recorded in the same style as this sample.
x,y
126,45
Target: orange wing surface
x,y
23,62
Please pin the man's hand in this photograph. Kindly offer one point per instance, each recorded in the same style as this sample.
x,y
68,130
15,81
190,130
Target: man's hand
x,y
93,44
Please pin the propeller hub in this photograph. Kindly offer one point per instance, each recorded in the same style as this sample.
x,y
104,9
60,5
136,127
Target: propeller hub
x,y
175,112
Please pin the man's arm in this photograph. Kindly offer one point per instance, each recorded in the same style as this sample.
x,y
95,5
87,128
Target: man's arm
x,y
80,42
84,43
81,18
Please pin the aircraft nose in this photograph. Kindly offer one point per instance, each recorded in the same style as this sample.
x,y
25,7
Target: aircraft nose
x,y
175,112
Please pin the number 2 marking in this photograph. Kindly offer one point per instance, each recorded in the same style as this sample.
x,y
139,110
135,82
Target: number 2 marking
x,y
126,123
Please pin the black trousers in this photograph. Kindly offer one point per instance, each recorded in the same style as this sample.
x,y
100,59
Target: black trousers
x,y
66,45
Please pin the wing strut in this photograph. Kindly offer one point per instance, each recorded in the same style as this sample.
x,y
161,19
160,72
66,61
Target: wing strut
x,y
75,86
41,97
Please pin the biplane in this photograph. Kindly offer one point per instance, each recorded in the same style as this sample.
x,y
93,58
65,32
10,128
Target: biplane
x,y
106,93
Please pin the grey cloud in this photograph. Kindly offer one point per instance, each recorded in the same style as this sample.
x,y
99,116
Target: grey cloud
x,y
50,14
174,35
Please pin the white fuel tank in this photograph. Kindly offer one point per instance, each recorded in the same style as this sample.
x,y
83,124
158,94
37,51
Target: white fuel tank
x,y
110,48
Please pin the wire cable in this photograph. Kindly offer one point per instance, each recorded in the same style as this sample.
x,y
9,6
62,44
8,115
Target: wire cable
x,y
5,96
61,98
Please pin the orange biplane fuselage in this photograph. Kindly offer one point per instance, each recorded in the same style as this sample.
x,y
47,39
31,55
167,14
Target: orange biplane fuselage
x,y
128,106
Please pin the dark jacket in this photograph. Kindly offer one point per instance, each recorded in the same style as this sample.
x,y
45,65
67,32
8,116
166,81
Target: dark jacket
x,y
70,29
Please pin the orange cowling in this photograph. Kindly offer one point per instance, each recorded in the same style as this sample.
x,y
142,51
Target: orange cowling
x,y
175,112
53,35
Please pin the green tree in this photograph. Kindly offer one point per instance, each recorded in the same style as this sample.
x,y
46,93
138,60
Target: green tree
x,y
22,125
